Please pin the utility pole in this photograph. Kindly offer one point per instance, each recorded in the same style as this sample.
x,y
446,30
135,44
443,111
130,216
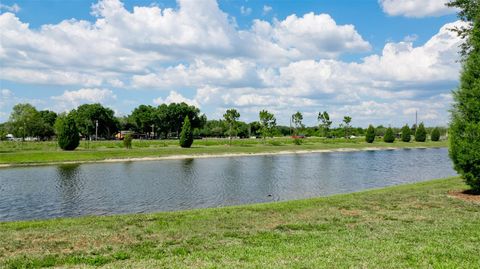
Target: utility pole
x,y
153,131
96,130
416,119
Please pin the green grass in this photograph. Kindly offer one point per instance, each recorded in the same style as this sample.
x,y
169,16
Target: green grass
x,y
48,152
407,226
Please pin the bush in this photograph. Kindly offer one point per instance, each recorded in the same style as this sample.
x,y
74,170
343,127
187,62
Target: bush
x,y
127,141
67,132
435,136
297,141
389,137
186,135
406,133
370,135
421,133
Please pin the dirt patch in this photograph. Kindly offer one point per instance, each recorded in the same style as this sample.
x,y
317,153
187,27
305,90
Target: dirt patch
x,y
466,195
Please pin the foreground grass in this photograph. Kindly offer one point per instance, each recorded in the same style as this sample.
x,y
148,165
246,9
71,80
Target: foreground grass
x,y
398,227
48,152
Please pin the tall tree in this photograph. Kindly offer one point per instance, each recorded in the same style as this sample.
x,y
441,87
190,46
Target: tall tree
x,y
144,118
347,120
297,119
421,133
465,114
231,116
406,133
48,122
25,121
86,117
268,123
370,135
186,135
324,118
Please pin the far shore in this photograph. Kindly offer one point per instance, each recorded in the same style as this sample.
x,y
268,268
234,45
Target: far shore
x,y
215,155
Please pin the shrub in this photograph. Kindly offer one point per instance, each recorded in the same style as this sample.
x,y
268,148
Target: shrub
x,y
389,137
421,133
297,141
127,141
370,135
186,135
67,132
406,133
435,136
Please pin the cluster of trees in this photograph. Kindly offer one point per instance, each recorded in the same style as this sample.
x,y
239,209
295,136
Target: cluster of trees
x,y
465,124
405,134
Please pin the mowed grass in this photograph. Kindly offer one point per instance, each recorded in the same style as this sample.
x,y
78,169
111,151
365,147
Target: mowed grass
x,y
407,226
48,152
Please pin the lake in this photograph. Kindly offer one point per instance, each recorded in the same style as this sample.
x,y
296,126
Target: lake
x,y
42,192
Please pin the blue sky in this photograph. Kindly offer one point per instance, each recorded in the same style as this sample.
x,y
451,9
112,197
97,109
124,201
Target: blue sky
x,y
377,61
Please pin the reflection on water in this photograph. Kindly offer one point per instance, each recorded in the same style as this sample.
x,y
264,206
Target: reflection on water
x,y
131,187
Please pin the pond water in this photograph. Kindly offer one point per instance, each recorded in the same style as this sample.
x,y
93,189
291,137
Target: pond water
x,y
133,187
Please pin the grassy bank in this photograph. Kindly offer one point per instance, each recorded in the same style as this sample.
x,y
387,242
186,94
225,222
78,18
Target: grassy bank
x,y
48,152
406,226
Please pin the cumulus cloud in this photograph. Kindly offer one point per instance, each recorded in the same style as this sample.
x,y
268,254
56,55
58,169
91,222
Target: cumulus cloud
x,y
72,99
245,11
266,9
175,97
416,8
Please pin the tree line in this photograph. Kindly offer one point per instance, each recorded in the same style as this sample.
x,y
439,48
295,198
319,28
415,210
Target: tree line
x,y
165,121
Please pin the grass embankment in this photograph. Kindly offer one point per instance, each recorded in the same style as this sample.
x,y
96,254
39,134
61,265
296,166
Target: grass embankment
x,y
48,152
407,226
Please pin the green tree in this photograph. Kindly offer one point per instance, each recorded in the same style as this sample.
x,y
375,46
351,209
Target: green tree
x,y
421,133
186,135
370,135
389,137
87,115
297,119
435,136
25,121
465,114
268,124
47,129
144,118
67,132
406,133
325,124
347,121
231,116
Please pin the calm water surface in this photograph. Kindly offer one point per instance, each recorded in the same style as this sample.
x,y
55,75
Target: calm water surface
x,y
133,187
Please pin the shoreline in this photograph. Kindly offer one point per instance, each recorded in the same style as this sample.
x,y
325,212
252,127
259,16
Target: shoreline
x,y
203,156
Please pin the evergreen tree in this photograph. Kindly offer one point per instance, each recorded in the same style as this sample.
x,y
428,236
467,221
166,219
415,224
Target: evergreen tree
x,y
370,135
406,133
435,136
465,125
186,135
389,137
421,133
67,132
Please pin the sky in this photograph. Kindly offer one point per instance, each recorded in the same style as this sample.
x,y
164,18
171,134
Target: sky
x,y
378,61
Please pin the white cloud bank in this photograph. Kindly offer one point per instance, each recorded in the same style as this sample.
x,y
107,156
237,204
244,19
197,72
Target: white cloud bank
x,y
416,8
283,65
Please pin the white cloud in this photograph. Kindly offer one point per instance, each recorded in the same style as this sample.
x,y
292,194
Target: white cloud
x,y
13,8
175,97
416,8
266,9
245,11
72,99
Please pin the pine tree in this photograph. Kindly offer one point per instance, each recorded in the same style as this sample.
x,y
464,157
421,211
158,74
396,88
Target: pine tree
x,y
389,137
370,135
435,136
406,133
67,132
465,125
421,133
186,135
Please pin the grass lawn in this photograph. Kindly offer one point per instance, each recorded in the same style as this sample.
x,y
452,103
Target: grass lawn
x,y
48,152
407,226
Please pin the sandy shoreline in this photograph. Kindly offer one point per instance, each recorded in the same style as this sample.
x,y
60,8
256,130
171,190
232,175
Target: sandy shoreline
x,y
200,156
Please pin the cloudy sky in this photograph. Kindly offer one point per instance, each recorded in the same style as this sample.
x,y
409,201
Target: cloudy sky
x,y
378,61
